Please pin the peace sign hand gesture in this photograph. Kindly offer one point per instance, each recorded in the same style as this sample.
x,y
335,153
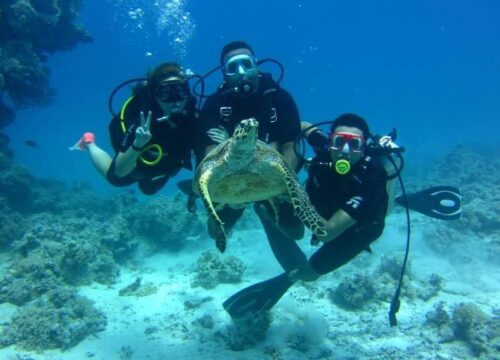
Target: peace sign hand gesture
x,y
143,133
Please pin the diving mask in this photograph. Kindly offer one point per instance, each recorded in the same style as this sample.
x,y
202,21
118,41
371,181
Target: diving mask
x,y
241,74
171,92
346,142
341,145
240,64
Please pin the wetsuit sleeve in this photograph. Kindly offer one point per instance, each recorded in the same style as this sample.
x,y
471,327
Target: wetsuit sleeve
x,y
122,133
288,125
318,140
209,118
369,201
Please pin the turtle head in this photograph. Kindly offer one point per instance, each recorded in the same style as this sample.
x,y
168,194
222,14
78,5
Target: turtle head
x,y
245,134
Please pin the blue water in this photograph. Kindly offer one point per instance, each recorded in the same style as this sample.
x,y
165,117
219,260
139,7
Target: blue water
x,y
429,68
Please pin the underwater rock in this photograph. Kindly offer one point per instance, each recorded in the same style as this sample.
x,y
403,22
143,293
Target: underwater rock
x,y
213,269
58,320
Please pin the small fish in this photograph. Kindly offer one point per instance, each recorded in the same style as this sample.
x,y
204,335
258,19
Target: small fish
x,y
31,143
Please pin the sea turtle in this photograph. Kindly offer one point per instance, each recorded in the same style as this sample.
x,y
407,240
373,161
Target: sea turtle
x,y
243,169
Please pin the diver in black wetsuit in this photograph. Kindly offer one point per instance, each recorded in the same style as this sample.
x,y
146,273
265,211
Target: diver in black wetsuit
x,y
353,192
152,135
247,92
349,190
352,199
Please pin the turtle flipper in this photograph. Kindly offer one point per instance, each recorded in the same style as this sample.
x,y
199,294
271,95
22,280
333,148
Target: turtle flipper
x,y
216,231
301,204
216,226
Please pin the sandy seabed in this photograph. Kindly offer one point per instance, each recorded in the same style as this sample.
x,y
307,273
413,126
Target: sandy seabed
x,y
306,323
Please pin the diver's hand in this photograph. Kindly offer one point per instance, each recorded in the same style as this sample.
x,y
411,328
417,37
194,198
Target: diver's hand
x,y
143,132
386,141
218,135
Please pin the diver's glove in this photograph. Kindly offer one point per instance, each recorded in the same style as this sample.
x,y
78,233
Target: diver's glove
x,y
386,141
317,139
218,135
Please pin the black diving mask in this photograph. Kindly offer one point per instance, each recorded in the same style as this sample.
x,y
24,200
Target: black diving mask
x,y
171,92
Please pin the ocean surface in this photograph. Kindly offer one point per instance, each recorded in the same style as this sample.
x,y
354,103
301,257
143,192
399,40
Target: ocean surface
x,y
428,68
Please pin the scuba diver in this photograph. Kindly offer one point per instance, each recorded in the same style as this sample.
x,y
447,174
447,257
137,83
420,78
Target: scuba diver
x,y
248,92
352,188
153,133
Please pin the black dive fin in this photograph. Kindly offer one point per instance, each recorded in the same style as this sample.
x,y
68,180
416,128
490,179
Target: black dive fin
x,y
258,297
186,186
439,202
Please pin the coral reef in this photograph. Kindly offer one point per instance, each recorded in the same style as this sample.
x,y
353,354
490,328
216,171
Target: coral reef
x,y
478,177
59,319
138,288
54,251
354,293
430,287
357,291
118,237
29,32
245,332
16,187
392,265
55,237
212,269
162,221
468,323
11,224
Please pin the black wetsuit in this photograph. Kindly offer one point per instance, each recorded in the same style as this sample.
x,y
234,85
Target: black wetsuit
x,y
166,153
279,122
362,194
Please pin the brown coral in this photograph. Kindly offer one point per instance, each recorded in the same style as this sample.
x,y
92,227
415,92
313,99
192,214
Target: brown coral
x,y
29,31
